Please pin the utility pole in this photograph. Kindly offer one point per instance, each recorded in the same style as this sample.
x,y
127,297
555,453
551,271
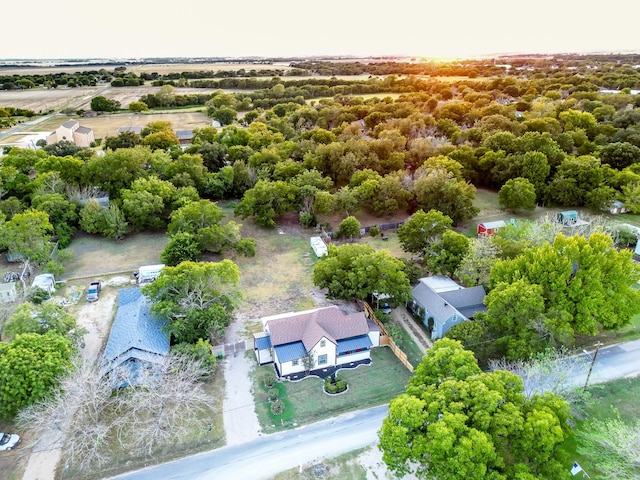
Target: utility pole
x,y
593,360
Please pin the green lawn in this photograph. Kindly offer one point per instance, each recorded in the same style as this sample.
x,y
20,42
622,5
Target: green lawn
x,y
305,401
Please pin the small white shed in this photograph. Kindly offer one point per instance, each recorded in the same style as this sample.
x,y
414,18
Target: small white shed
x,y
8,292
319,247
45,281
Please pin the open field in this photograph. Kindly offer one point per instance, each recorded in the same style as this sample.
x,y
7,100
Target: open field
x,y
43,100
107,125
93,255
369,385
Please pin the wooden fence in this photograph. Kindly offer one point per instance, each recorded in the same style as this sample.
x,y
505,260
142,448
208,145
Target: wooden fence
x,y
385,338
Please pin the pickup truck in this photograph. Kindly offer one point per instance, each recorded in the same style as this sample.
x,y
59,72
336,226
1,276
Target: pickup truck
x,y
93,292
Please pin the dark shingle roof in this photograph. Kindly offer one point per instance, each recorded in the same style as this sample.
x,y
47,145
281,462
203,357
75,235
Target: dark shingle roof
x,y
82,129
310,326
135,332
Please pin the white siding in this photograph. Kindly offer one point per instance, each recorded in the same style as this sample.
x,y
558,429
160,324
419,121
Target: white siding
x,y
353,357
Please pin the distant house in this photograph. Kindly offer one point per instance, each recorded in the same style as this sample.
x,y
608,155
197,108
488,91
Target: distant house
x,y
184,136
488,229
617,207
138,343
44,281
73,132
137,130
570,218
8,292
440,303
320,341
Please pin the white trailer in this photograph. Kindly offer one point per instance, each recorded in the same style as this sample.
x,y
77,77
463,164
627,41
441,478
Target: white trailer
x,y
148,273
319,247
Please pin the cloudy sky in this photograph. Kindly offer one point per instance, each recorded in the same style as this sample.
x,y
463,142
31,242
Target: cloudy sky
x,y
280,28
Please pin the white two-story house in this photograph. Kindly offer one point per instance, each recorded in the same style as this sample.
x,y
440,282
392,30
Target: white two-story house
x,y
324,338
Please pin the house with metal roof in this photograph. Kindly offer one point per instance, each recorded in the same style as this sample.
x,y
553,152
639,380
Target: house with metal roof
x,y
440,303
138,342
315,341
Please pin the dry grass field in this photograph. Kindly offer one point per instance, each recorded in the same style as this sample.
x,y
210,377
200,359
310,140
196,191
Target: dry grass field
x,y
41,100
107,125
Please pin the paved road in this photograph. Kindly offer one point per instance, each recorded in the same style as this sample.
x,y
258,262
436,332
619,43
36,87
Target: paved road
x,y
32,123
269,455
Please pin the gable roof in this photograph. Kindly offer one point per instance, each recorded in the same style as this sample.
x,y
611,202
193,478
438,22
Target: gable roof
x,y
465,302
69,124
492,225
135,333
83,130
129,129
310,326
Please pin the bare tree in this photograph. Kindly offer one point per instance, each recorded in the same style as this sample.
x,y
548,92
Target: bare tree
x,y
166,409
88,417
613,445
553,371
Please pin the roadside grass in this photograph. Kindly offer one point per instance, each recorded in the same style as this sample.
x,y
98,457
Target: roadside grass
x,y
305,400
338,468
200,440
605,399
94,255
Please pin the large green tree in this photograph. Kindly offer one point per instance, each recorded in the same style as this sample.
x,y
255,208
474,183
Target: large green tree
x,y
422,229
588,280
30,318
268,201
354,271
30,366
29,234
455,421
517,194
440,190
198,299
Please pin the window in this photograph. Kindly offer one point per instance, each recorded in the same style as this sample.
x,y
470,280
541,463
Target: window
x,y
322,359
295,362
323,343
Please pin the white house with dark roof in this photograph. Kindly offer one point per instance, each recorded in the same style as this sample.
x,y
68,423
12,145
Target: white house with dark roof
x,y
138,343
73,132
440,303
328,337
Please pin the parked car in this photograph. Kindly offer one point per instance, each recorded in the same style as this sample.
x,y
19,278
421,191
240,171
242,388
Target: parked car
x,y
93,293
8,441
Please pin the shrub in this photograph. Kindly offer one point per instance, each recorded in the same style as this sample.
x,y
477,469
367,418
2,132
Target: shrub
x,y
307,219
374,231
277,407
333,387
268,378
273,394
247,247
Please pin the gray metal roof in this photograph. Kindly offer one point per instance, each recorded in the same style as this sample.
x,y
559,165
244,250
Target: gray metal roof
x,y
442,305
135,332
362,342
129,129
69,124
290,351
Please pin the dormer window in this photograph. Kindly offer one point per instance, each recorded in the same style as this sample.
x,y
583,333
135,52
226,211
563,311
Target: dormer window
x,y
323,343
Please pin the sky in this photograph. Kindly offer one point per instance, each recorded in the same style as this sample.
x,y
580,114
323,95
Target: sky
x,y
287,28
